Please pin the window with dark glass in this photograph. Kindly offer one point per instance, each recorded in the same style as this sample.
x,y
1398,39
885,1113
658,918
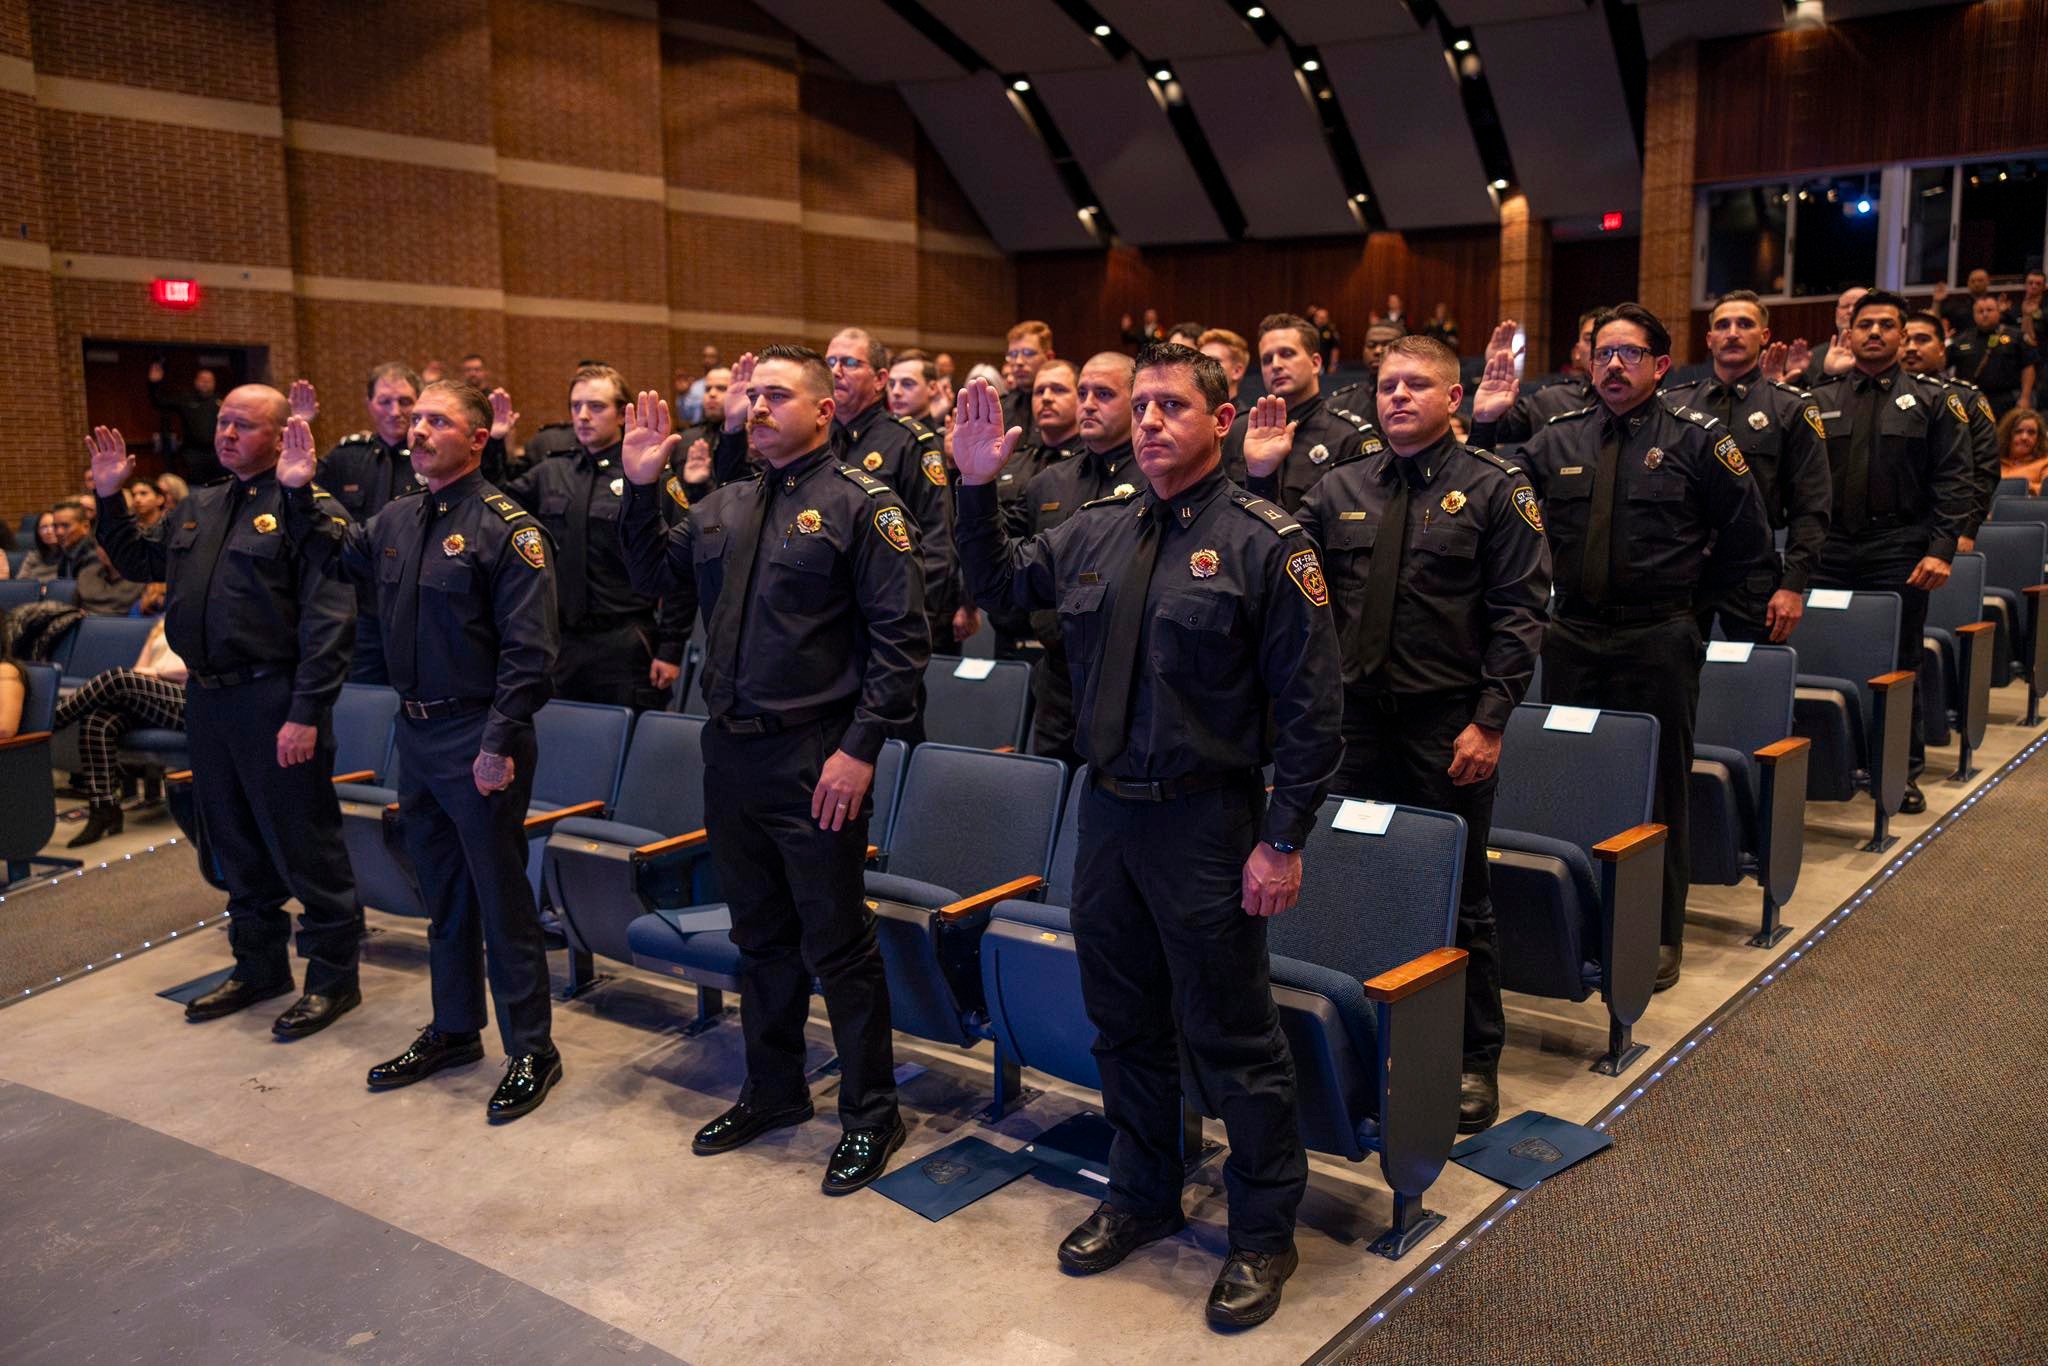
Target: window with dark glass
x,y
1927,224
1834,241
1746,239
2004,215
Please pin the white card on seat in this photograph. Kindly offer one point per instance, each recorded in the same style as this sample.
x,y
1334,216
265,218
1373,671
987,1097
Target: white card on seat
x,y
974,670
1829,599
1578,720
1364,818
1729,651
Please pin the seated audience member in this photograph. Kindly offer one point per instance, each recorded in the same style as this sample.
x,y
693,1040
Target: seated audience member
x,y
13,687
67,546
101,589
1228,350
145,504
987,372
172,490
107,707
1185,334
2021,452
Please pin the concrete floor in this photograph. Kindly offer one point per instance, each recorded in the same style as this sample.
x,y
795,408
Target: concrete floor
x,y
596,1202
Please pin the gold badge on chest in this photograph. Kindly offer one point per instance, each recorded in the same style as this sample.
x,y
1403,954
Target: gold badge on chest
x,y
810,522
1203,564
453,545
265,523
871,462
1653,459
1453,502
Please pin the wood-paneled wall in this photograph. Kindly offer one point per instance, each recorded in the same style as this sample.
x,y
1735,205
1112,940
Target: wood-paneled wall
x,y
1951,80
1082,294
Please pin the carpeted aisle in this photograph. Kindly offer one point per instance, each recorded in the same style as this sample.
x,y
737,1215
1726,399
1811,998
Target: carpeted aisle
x,y
1854,1167
49,930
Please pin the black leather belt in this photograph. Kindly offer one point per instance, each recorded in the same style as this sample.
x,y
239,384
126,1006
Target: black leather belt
x,y
234,679
442,706
1634,614
1170,789
776,723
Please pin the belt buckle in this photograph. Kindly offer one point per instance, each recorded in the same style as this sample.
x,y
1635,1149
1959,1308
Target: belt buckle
x,y
745,725
417,711
1143,792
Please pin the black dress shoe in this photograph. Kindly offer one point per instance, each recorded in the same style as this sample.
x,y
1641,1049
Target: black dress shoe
x,y
527,1082
1478,1102
429,1053
104,819
1670,957
233,995
1109,1235
315,1011
1914,802
1247,1290
862,1156
742,1124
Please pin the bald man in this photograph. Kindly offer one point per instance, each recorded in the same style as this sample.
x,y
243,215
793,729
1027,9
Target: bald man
x,y
267,642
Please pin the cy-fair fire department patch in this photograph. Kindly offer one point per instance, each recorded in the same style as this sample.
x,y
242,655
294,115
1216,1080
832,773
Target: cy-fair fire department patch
x,y
527,541
1730,454
895,528
1955,405
1531,510
1813,420
675,491
934,465
1307,572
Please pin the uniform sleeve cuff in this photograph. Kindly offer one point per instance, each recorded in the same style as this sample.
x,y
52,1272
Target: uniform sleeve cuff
x,y
308,711
862,741
1493,711
1795,579
499,731
1942,548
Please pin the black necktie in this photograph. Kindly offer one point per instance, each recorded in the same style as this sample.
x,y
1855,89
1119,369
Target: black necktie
x,y
1370,638
1594,563
1724,397
401,640
571,565
1862,446
722,662
1107,733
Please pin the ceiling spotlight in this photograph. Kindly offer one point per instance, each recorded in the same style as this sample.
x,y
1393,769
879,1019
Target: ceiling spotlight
x,y
1462,45
1020,86
1358,199
1500,184
1468,66
1255,12
1090,208
1102,30
1324,93
1162,75
1863,206
1313,65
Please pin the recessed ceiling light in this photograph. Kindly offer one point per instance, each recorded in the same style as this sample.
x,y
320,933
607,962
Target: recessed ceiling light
x,y
1162,75
1462,45
1500,184
1102,30
1020,86
1255,12
1313,65
1358,199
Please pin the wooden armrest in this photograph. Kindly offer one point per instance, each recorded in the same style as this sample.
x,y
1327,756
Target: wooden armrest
x,y
1004,749
361,775
1977,628
672,843
1886,682
33,737
183,775
391,806
1630,843
874,852
1771,753
2035,588
547,818
967,905
1412,976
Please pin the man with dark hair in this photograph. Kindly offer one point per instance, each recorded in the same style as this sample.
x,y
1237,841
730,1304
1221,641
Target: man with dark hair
x,y
1635,494
474,373
363,472
814,644
1778,429
1185,334
1905,483
1924,353
1566,394
912,385
1028,346
1178,672
73,521
466,598
1317,437
1055,439
1440,585
1991,354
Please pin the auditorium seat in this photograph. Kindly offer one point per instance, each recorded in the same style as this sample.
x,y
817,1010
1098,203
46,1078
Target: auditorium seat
x,y
2012,488
1854,704
28,813
1956,664
95,644
1577,867
2007,508
15,592
2013,557
61,590
1748,794
980,710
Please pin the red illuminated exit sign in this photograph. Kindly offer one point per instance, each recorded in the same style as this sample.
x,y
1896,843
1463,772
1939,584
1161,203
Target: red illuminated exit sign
x,y
178,294
1610,222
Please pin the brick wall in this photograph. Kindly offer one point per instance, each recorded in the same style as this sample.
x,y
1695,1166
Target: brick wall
x,y
1670,127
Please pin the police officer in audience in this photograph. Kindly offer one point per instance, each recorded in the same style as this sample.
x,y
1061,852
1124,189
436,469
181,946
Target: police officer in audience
x,y
1440,584
466,595
265,642
1055,439
1905,483
1361,394
1027,346
1924,353
913,387
1565,394
1194,612
1778,430
365,471
815,638
617,647
1992,355
1320,437
1835,358
1634,496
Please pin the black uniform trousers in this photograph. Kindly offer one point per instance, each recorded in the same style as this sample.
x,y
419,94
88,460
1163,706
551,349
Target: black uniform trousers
x,y
1743,608
1652,667
1172,965
469,852
798,912
1398,749
275,832
366,662
606,660
1878,562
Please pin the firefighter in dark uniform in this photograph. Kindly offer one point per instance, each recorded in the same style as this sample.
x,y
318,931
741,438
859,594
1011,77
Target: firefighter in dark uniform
x,y
363,472
814,621
618,647
1440,584
1634,494
266,645
1993,355
1322,436
1054,438
1027,346
1528,413
1925,354
1778,430
1905,483
1194,611
466,594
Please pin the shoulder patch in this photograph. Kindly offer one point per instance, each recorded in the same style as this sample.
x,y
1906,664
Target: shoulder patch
x,y
1307,572
675,491
1271,514
530,545
1812,416
1123,494
1984,407
932,461
1730,454
1955,405
868,484
894,527
1531,510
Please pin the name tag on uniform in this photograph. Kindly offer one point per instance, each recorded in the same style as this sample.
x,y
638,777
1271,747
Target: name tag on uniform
x,y
1729,651
1830,417
1573,469
974,670
1829,599
1577,720
1364,818
1351,516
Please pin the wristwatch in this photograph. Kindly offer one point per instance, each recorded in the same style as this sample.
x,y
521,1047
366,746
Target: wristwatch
x,y
1283,846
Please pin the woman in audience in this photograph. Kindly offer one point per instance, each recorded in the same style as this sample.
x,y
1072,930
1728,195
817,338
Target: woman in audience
x,y
172,490
45,556
108,707
2021,452
13,687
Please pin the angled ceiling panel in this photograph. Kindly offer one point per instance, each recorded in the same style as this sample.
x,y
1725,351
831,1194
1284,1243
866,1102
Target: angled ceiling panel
x,y
1390,89
998,161
1470,13
1260,126
1561,104
1019,35
1123,141
1667,23
1179,28
1838,10
866,37
1341,21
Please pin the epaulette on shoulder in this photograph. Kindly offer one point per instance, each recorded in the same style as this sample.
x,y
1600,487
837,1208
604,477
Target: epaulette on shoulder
x,y
1962,383
917,429
1569,414
364,438
1490,458
868,484
505,507
1270,514
1705,421
413,492
1123,494
1363,423
1801,394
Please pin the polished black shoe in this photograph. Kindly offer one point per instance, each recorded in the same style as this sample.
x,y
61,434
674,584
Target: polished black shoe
x,y
527,1082
862,1156
1670,958
104,819
233,995
1109,1235
1478,1102
742,1124
1913,803
429,1053
315,1011
1247,1290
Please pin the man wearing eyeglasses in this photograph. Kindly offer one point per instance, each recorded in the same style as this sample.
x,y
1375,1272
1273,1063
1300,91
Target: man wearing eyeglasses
x,y
1634,496
1028,346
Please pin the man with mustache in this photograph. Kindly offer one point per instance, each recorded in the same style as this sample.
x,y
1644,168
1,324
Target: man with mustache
x,y
1055,438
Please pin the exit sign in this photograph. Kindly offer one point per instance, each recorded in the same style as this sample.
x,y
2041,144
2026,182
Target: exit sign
x,y
178,294
1610,222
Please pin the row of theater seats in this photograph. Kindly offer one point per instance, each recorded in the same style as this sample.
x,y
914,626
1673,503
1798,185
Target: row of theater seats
x,y
15,592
